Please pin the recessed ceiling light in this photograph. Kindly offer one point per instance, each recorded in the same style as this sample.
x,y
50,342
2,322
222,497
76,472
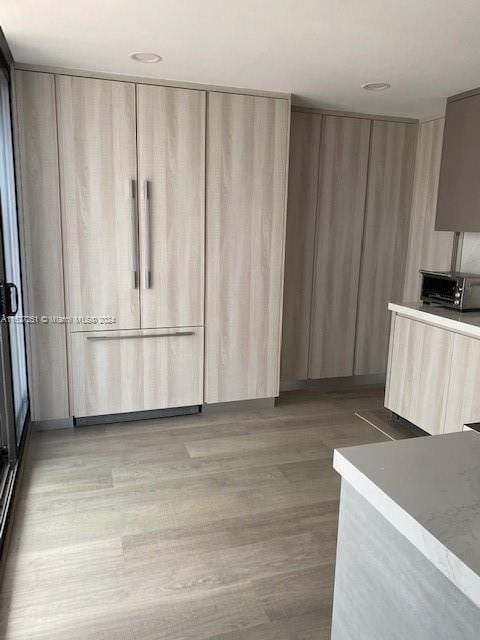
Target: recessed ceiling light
x,y
376,86
145,56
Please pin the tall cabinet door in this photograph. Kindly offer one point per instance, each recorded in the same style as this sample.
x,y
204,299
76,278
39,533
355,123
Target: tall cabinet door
x,y
302,207
247,143
42,242
171,174
384,253
340,215
98,169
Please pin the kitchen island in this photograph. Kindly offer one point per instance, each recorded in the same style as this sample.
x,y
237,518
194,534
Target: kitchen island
x,y
408,552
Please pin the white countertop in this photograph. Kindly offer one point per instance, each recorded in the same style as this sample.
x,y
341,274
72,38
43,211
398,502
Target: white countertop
x,y
466,322
429,490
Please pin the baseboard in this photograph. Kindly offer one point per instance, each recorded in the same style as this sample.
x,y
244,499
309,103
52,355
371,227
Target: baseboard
x,y
50,425
239,405
332,384
136,415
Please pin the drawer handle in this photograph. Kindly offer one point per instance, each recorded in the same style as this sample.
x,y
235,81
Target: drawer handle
x,y
140,335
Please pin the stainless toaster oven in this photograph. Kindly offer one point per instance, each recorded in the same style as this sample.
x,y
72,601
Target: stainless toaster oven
x,y
459,291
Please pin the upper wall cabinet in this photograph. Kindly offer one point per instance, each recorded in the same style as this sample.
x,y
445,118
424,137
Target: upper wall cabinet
x,y
340,211
247,143
171,176
300,241
458,207
387,218
98,171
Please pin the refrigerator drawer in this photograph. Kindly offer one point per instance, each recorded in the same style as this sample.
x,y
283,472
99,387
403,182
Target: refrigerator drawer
x,y
136,370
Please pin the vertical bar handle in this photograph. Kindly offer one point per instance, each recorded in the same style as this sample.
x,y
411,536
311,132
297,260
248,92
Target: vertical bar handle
x,y
134,234
146,234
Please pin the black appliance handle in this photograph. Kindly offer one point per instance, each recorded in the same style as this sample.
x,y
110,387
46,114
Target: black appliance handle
x,y
12,287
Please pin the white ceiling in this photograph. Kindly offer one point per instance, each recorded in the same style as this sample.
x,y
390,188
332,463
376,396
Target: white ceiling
x,y
319,50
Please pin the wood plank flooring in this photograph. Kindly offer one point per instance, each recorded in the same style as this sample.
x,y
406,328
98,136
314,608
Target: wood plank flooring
x,y
218,527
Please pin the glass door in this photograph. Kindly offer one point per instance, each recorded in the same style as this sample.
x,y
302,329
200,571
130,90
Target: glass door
x,y
14,401
11,253
8,432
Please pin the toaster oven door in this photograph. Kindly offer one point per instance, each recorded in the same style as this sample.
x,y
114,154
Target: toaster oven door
x,y
438,288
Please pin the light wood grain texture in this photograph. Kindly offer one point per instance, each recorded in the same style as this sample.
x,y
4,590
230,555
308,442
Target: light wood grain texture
x,y
387,218
97,146
138,79
171,157
120,373
352,114
247,142
40,225
427,248
339,232
119,533
459,187
302,204
419,373
463,397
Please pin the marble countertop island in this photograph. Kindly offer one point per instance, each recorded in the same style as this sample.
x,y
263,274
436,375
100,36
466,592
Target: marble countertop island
x,y
428,489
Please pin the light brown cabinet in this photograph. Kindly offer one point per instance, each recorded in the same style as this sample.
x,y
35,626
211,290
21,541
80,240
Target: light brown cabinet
x,y
338,285
340,217
125,371
41,234
121,224
419,373
171,181
300,243
142,264
387,218
463,397
98,170
459,186
133,251
247,146
433,371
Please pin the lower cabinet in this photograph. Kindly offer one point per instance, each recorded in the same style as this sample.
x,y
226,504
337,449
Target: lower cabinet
x,y
463,395
419,371
433,376
136,370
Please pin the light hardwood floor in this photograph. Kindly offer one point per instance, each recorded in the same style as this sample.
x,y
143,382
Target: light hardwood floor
x,y
219,527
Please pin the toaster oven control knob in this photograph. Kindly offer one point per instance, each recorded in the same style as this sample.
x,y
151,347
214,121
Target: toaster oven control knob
x,y
457,294
457,302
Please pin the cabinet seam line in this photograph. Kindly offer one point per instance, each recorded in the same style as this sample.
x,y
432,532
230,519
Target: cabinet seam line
x,y
362,248
61,199
313,281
